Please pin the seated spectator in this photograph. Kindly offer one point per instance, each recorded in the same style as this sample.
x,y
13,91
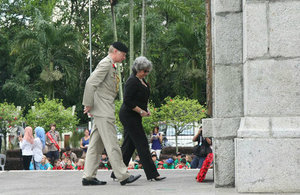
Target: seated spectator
x,y
102,166
64,162
154,159
188,159
45,165
104,158
187,163
182,164
178,158
80,164
108,165
169,164
57,165
69,165
69,154
131,165
137,159
139,165
160,165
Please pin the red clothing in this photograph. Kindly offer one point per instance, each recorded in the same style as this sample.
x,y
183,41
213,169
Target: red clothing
x,y
80,168
181,167
57,168
69,167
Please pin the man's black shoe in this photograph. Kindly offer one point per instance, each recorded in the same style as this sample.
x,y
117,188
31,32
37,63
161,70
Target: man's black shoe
x,y
130,179
94,181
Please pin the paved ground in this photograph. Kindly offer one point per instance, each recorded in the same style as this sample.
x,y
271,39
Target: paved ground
x,y
69,182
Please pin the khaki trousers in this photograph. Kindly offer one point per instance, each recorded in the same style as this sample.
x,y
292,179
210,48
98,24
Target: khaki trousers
x,y
104,135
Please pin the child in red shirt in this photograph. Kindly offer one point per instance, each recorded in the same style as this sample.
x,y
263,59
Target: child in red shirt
x,y
69,166
57,165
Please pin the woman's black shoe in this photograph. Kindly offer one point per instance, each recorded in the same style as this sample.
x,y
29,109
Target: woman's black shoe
x,y
158,178
112,175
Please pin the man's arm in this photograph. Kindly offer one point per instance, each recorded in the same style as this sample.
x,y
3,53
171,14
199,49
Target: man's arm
x,y
93,82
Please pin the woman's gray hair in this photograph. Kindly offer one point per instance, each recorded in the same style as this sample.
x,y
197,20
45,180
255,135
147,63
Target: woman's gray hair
x,y
141,63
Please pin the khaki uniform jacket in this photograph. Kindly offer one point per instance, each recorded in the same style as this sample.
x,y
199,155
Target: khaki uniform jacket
x,y
101,89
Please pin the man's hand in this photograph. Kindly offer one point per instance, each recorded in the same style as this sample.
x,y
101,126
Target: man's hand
x,y
87,109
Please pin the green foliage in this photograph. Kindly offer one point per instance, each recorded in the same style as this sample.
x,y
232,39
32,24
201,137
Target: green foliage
x,y
75,138
48,58
47,111
9,116
179,112
119,125
151,121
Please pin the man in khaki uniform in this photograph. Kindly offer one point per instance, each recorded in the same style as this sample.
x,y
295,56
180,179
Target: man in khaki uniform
x,y
100,91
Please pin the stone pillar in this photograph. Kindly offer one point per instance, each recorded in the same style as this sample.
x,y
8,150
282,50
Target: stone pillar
x,y
227,47
255,123
267,155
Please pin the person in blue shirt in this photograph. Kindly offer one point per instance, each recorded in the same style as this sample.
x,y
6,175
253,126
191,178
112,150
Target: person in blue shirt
x,y
156,140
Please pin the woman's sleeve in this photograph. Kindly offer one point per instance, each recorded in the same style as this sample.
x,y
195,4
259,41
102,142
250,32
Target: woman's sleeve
x,y
130,92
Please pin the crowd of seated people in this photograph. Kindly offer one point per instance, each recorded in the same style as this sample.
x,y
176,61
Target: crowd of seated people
x,y
69,161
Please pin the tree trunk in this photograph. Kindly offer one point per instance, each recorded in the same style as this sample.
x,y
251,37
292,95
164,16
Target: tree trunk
x,y
143,39
208,59
114,27
195,81
131,35
51,87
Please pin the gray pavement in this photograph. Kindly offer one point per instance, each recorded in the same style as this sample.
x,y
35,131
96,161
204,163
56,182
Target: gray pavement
x,y
69,182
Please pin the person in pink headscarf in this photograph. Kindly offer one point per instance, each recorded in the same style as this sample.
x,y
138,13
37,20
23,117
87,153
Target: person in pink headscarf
x,y
26,144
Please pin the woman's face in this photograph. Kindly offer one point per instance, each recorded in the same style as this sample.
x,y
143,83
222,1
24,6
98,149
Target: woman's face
x,y
86,132
155,130
142,73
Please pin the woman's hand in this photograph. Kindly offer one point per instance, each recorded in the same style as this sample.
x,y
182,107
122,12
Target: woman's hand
x,y
143,113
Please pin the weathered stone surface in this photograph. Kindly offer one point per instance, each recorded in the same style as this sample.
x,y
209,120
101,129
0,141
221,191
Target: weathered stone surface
x,y
207,127
272,88
220,127
268,127
267,165
228,91
255,30
225,127
286,127
223,162
228,5
254,127
228,39
284,28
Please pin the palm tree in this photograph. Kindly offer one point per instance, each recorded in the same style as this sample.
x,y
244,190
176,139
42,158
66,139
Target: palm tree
x,y
114,27
131,34
143,35
54,51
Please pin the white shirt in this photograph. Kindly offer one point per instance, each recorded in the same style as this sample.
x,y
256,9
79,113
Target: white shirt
x,y
26,148
37,150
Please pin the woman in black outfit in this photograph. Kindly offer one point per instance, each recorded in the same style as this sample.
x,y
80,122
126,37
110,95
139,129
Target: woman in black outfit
x,y
134,107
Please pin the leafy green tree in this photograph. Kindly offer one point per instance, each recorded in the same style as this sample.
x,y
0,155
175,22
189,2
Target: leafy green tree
x,y
10,116
54,51
179,112
46,111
